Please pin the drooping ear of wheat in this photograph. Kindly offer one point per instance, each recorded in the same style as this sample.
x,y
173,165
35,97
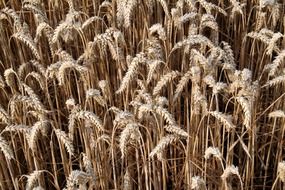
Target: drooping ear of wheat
x,y
212,151
224,119
210,6
6,149
246,106
88,167
176,130
39,126
89,116
127,181
157,28
229,172
33,178
4,116
96,94
132,72
77,177
130,133
276,114
281,171
164,79
65,140
197,183
27,40
163,143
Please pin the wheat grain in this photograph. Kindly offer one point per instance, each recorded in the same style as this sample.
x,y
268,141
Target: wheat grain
x,y
38,77
128,9
230,171
165,115
4,116
185,18
144,109
17,128
8,75
237,8
12,13
277,80
277,62
70,65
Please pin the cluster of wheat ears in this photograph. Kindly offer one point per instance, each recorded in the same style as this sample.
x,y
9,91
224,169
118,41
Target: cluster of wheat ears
x,y
142,94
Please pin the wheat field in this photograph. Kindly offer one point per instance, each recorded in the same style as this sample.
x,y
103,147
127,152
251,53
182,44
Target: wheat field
x,y
142,94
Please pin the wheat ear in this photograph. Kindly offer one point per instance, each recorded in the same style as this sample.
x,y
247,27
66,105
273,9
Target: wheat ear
x,y
64,139
164,80
6,149
162,144
225,119
32,179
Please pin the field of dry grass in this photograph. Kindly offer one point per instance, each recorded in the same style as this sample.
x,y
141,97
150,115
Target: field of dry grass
x,y
142,94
